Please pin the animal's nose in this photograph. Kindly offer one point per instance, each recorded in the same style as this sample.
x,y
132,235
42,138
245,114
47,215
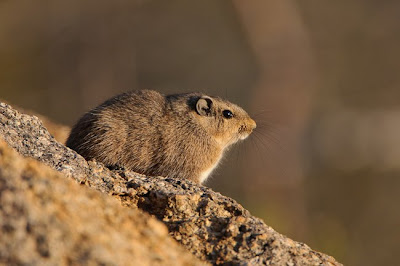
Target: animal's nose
x,y
252,124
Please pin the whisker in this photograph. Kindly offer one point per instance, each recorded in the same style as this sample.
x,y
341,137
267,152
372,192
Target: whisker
x,y
263,112
270,139
257,147
269,155
269,148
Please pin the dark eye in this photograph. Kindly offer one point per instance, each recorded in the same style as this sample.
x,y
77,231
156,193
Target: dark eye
x,y
227,114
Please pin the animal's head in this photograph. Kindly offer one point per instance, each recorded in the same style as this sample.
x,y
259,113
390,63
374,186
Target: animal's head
x,y
225,121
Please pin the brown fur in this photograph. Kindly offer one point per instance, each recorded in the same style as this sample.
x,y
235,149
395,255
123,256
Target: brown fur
x,y
172,136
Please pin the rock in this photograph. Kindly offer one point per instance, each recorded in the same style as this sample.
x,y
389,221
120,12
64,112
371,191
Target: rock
x,y
58,131
214,228
47,219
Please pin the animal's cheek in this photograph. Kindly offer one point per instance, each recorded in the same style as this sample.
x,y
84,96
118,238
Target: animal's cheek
x,y
233,135
230,131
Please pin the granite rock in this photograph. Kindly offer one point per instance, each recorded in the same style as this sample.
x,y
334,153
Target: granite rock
x,y
47,219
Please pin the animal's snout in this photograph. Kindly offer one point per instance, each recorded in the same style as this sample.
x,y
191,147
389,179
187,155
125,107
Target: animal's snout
x,y
248,126
252,124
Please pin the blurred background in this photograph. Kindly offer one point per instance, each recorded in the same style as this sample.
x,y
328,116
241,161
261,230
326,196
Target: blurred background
x,y
321,78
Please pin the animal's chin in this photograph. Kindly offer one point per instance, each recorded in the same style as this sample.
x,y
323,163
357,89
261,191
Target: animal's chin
x,y
243,136
238,137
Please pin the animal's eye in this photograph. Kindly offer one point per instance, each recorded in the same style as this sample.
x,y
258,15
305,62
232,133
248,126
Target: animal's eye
x,y
227,114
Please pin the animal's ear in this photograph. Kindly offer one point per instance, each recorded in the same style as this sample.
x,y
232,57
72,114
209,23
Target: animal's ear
x,y
204,105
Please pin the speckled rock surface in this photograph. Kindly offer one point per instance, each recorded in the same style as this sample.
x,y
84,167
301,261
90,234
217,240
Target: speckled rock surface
x,y
213,227
46,219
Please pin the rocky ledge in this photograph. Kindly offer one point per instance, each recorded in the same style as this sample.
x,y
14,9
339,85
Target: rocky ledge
x,y
214,228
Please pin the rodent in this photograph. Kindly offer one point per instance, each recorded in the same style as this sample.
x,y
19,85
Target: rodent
x,y
178,136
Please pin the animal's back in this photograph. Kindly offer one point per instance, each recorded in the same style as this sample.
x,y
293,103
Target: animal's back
x,y
112,131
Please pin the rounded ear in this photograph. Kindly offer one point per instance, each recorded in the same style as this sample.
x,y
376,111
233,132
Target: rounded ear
x,y
204,105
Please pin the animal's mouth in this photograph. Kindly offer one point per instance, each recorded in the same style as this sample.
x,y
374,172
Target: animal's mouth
x,y
245,130
244,136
